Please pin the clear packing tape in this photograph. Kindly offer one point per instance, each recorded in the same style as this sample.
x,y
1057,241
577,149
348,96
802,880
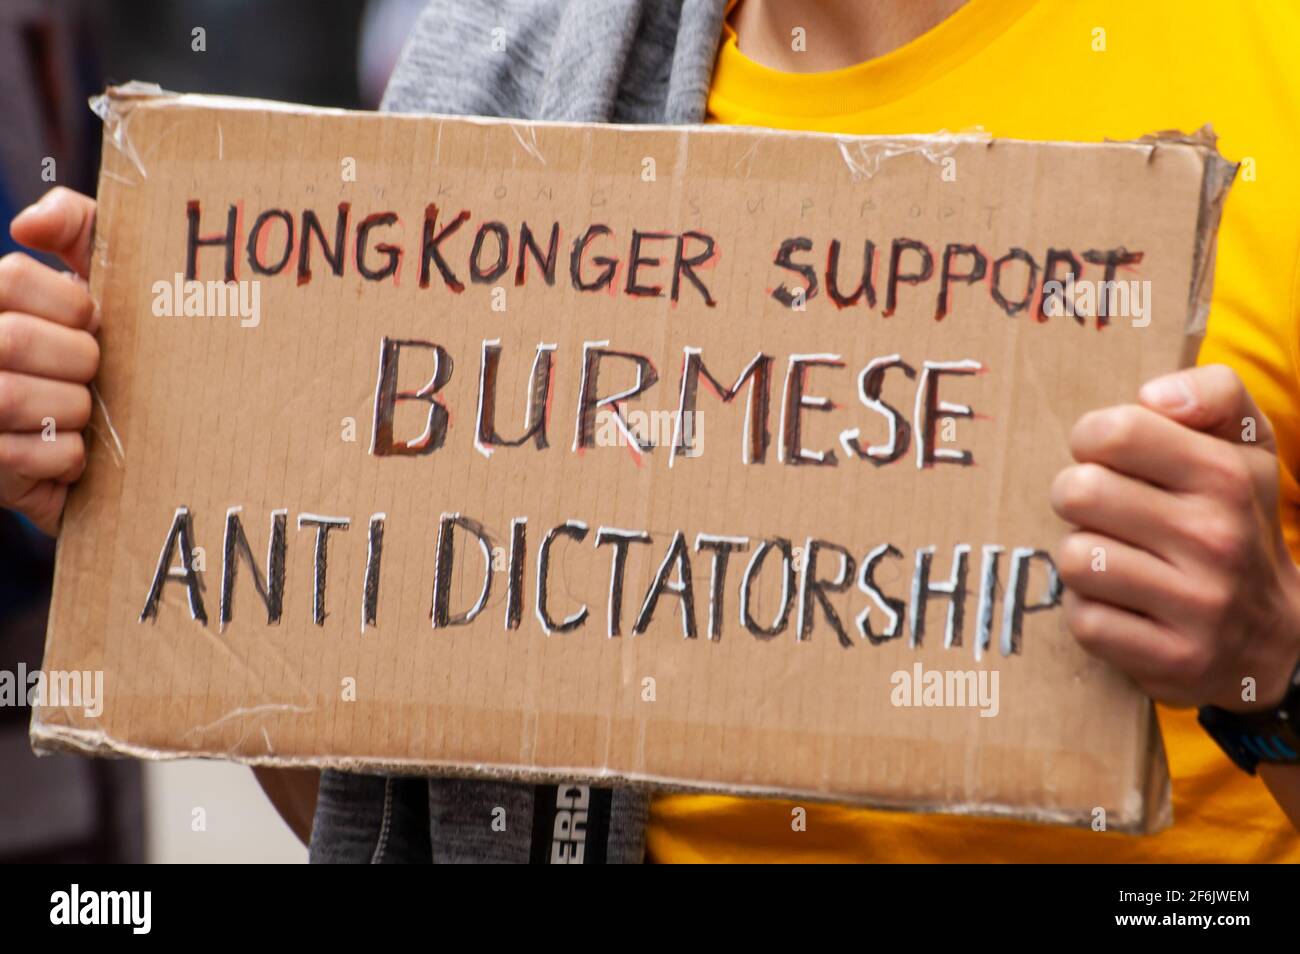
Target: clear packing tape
x,y
865,156
1219,174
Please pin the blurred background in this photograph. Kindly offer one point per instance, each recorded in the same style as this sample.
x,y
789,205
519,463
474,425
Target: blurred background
x,y
54,54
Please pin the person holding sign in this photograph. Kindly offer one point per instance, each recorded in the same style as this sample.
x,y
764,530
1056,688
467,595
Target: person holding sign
x,y
1188,492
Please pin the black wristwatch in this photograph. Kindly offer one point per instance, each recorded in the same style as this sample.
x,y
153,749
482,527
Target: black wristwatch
x,y
1271,736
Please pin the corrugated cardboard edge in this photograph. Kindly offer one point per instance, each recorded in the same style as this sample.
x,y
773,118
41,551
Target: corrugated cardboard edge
x,y
51,739
1152,811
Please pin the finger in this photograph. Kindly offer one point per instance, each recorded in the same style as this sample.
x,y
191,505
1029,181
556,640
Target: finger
x,y
1142,649
1210,399
62,223
33,287
1095,498
34,458
1112,572
41,501
1148,446
32,346
29,403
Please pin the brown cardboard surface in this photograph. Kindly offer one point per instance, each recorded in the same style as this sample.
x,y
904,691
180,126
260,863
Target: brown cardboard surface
x,y
212,414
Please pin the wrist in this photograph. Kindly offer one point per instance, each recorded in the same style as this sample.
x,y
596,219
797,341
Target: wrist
x,y
1274,662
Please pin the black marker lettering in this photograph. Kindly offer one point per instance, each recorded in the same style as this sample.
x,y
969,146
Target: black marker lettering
x,y
870,384
575,530
528,245
1014,608
678,555
923,590
722,548
810,585
752,571
445,563
929,409
758,373
976,271
387,396
620,540
255,242
992,555
1031,281
374,552
181,532
896,274
539,389
865,287
323,527
682,265
1112,259
1064,306
486,276
636,260
235,545
194,241
590,401
334,256
809,291
608,265
430,248
515,573
795,402
891,606
393,253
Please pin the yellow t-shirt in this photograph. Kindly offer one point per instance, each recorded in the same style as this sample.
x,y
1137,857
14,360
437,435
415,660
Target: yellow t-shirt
x,y
1063,69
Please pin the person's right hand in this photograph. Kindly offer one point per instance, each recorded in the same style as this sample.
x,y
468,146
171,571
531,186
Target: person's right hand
x,y
48,356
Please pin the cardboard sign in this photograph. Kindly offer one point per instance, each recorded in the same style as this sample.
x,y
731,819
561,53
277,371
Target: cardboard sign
x,y
704,458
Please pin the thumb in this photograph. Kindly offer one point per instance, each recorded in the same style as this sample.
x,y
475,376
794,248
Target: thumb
x,y
1210,399
61,223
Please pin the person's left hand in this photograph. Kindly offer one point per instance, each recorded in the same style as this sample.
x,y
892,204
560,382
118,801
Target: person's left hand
x,y
1177,572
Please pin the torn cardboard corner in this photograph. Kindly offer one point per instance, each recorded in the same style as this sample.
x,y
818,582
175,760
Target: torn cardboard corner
x,y
689,458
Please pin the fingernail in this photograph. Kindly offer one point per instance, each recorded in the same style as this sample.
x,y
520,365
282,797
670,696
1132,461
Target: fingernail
x,y
1170,393
96,318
